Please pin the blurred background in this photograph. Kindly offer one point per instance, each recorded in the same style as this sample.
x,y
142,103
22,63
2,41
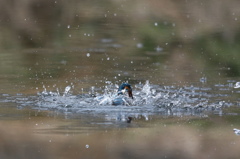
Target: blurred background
x,y
118,40
51,44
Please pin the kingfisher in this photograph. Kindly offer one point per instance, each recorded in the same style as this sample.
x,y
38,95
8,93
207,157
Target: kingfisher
x,y
125,87
121,100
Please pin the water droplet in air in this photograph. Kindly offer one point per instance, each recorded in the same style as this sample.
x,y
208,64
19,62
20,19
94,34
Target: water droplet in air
x,y
67,89
237,85
88,54
139,45
203,79
87,146
158,49
156,24
236,131
68,26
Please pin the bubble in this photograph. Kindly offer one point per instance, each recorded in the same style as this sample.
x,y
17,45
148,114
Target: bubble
x,y
87,146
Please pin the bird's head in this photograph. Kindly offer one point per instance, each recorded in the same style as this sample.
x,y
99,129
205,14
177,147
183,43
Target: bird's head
x,y
125,87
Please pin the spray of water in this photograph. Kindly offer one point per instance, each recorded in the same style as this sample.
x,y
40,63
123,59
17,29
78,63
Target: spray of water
x,y
148,99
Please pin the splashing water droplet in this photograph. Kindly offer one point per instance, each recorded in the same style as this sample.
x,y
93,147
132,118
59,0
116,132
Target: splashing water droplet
x,y
236,131
67,89
237,85
139,45
148,99
58,92
44,90
146,88
158,49
203,79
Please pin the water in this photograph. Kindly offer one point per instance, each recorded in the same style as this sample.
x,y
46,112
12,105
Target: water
x,y
168,117
148,100
60,70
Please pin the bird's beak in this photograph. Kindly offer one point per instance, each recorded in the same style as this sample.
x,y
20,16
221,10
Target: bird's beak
x,y
130,94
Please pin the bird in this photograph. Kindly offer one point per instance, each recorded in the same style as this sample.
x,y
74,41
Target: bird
x,y
123,88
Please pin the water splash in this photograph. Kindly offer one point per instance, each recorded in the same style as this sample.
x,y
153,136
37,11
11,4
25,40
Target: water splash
x,y
237,85
148,100
67,89
236,131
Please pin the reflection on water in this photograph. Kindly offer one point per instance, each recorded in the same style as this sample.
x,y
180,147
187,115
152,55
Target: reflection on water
x,y
86,137
61,63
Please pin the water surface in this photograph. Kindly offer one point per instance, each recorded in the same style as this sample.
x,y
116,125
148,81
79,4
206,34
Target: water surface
x,y
60,70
